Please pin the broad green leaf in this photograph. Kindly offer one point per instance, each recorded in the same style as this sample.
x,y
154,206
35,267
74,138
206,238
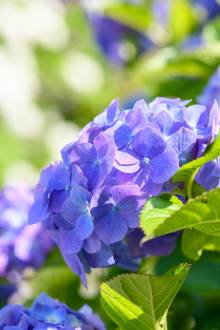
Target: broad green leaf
x,y
182,19
188,171
194,243
202,213
137,16
141,302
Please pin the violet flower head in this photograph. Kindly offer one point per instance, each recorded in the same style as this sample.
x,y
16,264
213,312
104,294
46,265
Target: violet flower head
x,y
118,42
47,313
20,245
90,200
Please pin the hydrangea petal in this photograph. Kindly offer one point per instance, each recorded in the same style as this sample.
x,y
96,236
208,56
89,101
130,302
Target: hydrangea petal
x,y
163,167
84,226
92,244
75,264
69,241
148,143
110,227
123,136
125,162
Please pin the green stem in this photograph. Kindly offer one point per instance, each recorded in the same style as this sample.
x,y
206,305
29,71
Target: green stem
x,y
190,183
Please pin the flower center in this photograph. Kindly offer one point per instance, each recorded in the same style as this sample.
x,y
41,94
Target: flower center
x,y
98,162
146,160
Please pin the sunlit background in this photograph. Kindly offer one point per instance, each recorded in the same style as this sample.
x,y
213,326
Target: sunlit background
x,y
62,62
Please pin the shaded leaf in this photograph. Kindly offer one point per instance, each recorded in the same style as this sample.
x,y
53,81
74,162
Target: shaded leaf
x,y
138,301
182,19
194,243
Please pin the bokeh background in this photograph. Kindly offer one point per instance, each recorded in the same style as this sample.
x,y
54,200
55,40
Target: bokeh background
x,y
61,63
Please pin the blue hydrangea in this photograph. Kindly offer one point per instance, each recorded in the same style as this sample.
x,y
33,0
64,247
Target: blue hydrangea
x,y
90,200
20,245
47,314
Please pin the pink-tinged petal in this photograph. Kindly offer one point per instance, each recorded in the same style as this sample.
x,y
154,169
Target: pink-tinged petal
x,y
125,162
163,167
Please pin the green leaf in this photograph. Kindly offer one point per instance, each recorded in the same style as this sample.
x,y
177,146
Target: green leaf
x,y
188,171
141,302
137,16
194,242
182,19
202,213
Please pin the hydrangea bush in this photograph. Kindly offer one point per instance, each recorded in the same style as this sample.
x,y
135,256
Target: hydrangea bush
x,y
91,199
140,181
47,313
21,246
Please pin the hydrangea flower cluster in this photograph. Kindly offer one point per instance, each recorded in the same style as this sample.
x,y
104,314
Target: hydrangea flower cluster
x,y
118,42
90,200
20,245
47,313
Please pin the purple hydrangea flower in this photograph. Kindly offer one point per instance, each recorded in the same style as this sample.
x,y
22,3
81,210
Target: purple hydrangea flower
x,y
47,313
119,42
91,199
20,245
